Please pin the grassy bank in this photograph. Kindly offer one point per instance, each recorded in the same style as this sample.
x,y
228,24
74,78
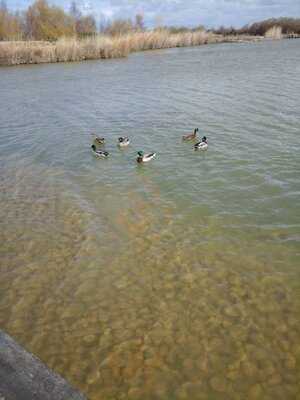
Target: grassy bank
x,y
103,46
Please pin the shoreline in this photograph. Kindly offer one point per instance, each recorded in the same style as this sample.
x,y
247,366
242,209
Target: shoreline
x,y
13,53
24,376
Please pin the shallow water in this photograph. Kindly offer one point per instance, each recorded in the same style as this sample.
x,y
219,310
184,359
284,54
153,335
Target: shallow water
x,y
173,280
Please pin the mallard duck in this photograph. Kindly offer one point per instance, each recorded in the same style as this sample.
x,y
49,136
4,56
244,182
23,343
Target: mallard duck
x,y
99,140
191,136
123,141
99,153
144,157
203,145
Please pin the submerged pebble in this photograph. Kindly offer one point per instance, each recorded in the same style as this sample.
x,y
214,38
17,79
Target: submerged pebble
x,y
255,392
219,384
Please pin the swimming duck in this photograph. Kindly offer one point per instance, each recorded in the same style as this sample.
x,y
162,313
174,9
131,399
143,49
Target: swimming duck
x,y
123,141
203,145
99,140
191,136
99,153
144,157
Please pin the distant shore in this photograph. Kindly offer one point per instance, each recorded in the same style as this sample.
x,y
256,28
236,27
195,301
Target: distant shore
x,y
105,47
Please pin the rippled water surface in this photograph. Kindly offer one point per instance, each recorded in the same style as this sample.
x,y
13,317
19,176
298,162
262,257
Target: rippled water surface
x,y
173,280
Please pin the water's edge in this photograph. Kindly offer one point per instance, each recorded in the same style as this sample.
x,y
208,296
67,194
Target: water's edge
x,y
24,376
72,50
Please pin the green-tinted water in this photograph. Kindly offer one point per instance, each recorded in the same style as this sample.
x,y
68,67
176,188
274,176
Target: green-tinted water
x,y
173,280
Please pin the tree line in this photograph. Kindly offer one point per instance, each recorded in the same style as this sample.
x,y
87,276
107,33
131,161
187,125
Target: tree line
x,y
288,26
42,21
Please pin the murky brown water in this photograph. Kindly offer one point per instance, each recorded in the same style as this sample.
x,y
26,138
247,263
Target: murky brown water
x,y
179,280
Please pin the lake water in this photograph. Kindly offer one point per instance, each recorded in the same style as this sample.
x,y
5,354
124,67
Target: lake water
x,y
179,279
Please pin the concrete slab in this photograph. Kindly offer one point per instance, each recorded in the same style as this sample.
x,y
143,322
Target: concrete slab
x,y
24,377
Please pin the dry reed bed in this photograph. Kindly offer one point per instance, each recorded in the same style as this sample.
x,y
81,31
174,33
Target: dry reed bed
x,y
100,47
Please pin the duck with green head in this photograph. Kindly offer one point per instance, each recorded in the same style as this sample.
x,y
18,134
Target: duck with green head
x,y
203,145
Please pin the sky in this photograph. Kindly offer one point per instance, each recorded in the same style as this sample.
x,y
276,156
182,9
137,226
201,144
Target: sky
x,y
210,13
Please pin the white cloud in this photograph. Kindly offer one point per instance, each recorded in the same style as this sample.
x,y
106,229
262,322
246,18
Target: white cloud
x,y
187,12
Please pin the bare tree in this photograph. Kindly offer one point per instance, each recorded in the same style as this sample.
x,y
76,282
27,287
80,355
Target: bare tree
x,y
119,27
86,26
139,22
10,24
3,6
74,10
44,22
